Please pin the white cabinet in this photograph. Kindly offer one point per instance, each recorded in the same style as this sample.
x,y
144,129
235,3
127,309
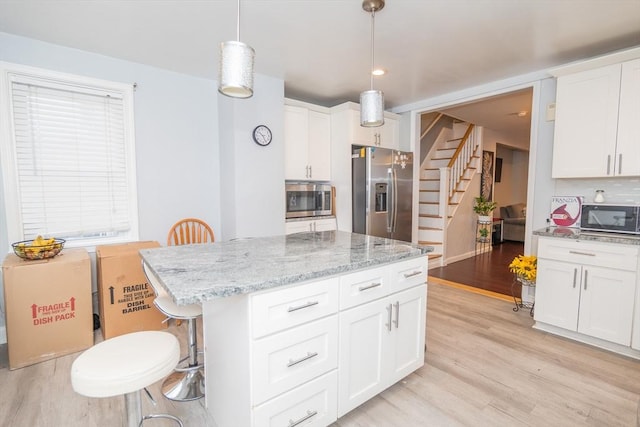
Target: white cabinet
x,y
381,341
307,139
597,123
300,226
299,353
588,288
386,136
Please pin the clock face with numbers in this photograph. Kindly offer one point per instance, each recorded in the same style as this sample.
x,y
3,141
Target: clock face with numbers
x,y
262,135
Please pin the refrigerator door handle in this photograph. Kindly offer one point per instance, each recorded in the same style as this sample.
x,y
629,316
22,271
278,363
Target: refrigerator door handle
x,y
395,199
391,194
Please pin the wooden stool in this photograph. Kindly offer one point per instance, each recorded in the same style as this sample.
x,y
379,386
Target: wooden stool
x,y
125,365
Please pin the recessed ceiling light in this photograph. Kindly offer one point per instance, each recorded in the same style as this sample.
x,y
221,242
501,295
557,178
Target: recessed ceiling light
x,y
379,72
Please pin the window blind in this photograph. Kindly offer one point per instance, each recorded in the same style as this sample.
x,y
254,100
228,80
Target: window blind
x,y
71,161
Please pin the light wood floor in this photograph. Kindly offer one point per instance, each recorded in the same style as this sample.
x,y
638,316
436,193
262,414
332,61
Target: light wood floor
x,y
485,366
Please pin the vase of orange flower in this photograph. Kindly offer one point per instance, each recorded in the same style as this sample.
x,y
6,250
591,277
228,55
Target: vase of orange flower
x,y
525,267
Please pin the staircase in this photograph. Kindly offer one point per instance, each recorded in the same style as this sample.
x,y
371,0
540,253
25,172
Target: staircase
x,y
446,172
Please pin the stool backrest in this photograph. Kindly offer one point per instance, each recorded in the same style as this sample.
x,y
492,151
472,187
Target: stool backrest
x,y
190,230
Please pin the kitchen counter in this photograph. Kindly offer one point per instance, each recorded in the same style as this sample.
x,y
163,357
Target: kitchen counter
x,y
593,236
203,272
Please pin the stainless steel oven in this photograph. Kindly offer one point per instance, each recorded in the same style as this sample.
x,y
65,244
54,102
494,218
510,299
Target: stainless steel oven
x,y
611,218
308,199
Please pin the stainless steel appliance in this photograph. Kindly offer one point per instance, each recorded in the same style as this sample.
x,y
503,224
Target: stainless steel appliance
x,y
382,191
611,218
308,199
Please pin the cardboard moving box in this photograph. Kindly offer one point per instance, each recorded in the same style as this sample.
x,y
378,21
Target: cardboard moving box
x,y
125,296
48,306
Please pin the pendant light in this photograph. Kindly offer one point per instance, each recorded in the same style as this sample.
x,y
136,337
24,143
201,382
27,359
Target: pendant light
x,y
372,101
236,66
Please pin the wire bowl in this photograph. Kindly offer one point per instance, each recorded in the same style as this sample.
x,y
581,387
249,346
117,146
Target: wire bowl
x,y
31,250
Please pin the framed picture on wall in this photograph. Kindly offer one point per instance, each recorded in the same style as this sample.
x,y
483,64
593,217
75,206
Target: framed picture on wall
x,y
486,178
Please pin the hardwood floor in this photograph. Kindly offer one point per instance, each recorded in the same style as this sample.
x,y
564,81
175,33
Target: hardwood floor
x,y
485,366
489,271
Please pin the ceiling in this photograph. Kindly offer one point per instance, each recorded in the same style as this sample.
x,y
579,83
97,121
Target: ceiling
x,y
321,48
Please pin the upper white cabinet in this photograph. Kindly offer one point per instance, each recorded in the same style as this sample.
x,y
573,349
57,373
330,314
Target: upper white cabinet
x,y
307,142
597,129
348,124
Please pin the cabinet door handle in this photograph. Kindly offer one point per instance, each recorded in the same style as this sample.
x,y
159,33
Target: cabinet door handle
x,y
397,322
608,164
310,172
303,419
619,164
371,286
582,253
389,310
586,274
300,307
575,275
302,359
414,273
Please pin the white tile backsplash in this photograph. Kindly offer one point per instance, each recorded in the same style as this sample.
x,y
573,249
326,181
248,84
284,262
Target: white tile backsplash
x,y
616,190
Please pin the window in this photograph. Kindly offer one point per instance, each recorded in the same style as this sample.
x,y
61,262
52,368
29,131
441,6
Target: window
x,y
67,157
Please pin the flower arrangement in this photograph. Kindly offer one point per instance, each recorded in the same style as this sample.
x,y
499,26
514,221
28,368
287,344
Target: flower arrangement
x,y
525,267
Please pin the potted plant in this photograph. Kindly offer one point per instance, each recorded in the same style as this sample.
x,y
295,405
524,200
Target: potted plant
x,y
526,270
483,208
484,234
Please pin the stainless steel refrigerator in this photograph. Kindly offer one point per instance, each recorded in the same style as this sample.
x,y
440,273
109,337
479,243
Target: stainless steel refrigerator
x,y
382,191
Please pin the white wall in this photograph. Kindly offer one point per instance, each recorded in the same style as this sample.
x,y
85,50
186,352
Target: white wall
x,y
176,136
252,176
176,119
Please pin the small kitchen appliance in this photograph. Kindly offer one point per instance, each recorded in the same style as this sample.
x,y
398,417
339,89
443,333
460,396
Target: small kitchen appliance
x,y
308,199
611,218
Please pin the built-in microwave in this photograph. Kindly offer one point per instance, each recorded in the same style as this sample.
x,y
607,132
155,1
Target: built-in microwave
x,y
308,199
611,218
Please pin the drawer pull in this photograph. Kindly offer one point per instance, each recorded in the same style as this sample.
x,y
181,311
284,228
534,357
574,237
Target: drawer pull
x,y
575,275
303,419
302,359
397,321
582,253
300,307
390,310
371,286
586,275
415,273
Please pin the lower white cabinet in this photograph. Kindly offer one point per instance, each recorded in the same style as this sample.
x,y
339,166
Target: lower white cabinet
x,y
380,343
306,354
301,226
588,288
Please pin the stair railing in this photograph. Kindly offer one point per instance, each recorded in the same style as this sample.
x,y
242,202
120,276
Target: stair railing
x,y
461,159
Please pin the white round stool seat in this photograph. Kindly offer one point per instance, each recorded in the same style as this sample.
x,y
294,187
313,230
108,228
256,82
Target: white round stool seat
x,y
125,364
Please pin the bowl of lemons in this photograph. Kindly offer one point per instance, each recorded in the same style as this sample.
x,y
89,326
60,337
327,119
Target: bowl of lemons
x,y
38,248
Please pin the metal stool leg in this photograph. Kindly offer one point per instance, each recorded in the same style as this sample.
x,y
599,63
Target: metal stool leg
x,y
186,383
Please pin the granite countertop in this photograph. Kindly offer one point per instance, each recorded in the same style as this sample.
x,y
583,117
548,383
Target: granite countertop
x,y
594,236
198,273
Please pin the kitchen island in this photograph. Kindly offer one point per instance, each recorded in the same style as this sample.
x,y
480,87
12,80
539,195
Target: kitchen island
x,y
300,329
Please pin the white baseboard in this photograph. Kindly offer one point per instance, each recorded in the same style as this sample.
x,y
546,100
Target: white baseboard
x,y
460,257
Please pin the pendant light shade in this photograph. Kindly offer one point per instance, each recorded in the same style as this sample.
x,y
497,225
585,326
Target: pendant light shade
x,y
371,108
236,69
236,66
372,101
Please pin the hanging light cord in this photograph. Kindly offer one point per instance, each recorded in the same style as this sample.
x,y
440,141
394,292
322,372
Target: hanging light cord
x,y
238,23
373,24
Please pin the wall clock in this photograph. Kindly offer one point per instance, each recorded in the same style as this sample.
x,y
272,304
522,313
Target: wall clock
x,y
262,135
